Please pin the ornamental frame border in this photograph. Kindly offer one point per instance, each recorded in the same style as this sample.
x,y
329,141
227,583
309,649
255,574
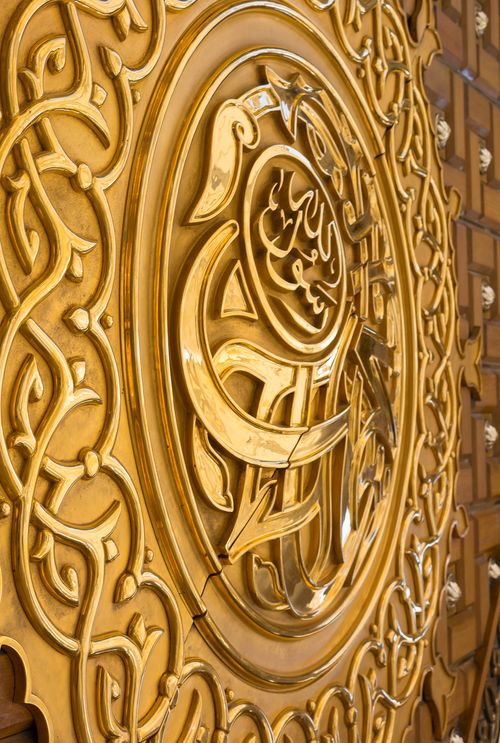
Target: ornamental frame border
x,y
365,706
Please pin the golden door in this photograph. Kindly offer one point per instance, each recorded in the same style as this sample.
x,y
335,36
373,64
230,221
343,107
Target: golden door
x,y
231,371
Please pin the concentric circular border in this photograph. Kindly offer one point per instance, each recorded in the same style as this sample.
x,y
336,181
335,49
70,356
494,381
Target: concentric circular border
x,y
179,482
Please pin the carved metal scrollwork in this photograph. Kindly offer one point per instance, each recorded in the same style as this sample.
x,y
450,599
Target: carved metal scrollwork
x,y
274,296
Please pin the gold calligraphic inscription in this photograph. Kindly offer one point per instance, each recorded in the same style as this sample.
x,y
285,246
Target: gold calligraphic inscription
x,y
280,342
282,335
229,369
287,335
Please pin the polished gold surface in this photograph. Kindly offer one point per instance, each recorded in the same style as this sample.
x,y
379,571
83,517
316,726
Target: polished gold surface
x,y
230,369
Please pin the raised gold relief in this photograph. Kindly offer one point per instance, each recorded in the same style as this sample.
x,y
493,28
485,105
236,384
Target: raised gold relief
x,y
256,259
287,337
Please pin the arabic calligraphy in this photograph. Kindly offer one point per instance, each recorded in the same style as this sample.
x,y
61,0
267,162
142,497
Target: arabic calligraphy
x,y
294,429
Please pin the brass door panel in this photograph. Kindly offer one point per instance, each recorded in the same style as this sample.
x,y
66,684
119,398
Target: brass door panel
x,y
230,369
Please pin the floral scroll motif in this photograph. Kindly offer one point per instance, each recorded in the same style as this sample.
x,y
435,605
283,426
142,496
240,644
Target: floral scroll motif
x,y
47,371
78,517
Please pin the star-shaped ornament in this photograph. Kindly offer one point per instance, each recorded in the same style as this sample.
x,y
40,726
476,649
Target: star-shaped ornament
x,y
290,94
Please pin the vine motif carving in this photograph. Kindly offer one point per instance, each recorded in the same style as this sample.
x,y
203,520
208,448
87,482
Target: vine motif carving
x,y
46,373
43,245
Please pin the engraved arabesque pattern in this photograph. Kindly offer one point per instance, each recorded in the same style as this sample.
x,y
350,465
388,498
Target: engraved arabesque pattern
x,y
46,367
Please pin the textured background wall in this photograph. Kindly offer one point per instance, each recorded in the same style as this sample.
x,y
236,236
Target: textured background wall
x,y
463,85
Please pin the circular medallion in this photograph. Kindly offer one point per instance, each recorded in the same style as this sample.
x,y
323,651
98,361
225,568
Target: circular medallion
x,y
297,269
274,346
292,366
